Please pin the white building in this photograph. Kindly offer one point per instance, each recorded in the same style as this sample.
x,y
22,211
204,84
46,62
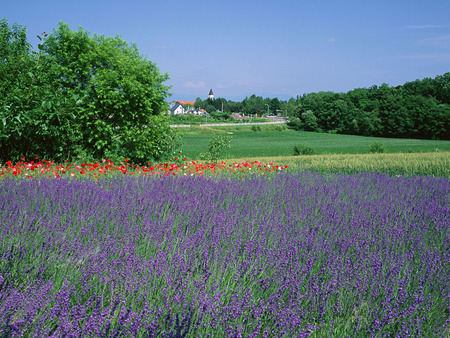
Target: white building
x,y
176,109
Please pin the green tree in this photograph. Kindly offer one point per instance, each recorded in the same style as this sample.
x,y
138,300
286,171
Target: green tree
x,y
16,62
235,107
442,88
275,105
210,108
254,105
17,65
309,121
290,107
80,94
221,103
367,123
35,114
123,93
198,103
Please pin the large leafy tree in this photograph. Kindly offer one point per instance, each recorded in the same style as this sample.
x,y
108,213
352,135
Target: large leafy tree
x,y
16,64
122,92
16,61
275,106
34,115
80,95
254,105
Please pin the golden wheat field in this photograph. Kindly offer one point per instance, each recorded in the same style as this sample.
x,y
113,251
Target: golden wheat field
x,y
427,164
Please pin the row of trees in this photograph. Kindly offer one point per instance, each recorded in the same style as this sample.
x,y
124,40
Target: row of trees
x,y
250,105
419,109
80,95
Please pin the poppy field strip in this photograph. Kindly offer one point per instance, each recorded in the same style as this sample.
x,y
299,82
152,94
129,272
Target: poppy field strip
x,y
290,255
36,169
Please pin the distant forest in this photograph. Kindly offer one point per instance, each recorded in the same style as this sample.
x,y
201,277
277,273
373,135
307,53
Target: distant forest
x,y
417,109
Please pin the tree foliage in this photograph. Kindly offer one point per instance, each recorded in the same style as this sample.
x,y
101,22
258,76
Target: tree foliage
x,y
35,115
86,93
419,109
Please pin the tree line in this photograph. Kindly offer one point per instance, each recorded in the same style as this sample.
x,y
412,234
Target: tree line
x,y
417,109
80,95
250,105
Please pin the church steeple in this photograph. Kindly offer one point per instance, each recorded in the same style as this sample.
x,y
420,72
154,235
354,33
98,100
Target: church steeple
x,y
211,95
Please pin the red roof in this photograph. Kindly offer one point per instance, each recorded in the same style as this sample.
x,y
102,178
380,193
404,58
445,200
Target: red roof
x,y
185,102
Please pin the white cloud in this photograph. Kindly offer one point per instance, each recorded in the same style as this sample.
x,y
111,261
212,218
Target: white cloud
x,y
440,57
437,41
190,84
426,26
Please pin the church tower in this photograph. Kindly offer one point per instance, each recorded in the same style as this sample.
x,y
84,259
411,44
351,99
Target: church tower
x,y
211,95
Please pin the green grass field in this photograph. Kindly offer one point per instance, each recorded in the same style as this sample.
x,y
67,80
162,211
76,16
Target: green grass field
x,y
273,141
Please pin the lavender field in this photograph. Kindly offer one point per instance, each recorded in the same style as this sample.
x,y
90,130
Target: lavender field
x,y
293,255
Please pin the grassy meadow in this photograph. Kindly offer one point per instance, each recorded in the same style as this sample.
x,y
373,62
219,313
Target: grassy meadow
x,y
275,141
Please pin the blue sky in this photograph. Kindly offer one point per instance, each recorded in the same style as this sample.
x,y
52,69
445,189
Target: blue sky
x,y
280,48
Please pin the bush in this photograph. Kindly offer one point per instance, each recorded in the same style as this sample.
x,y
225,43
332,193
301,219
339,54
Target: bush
x,y
303,150
281,127
295,123
256,128
215,146
377,148
220,115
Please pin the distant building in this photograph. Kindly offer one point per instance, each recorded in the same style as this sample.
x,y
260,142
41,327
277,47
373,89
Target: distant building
x,y
238,116
211,95
191,103
194,111
177,109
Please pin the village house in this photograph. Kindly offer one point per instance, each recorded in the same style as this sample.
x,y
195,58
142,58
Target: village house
x,y
176,109
184,103
195,111
184,107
